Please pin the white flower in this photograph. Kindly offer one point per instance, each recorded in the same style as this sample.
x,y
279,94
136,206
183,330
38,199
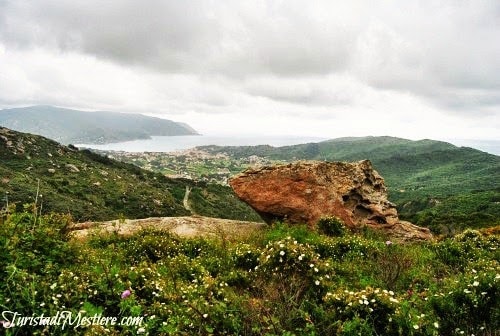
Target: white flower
x,y
282,253
312,265
300,257
415,326
205,315
436,324
316,282
475,284
466,291
141,330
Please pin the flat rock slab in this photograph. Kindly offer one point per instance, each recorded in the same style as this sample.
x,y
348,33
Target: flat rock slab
x,y
189,227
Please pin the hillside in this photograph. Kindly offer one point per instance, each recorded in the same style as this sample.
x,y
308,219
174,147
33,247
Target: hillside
x,y
94,187
434,183
72,126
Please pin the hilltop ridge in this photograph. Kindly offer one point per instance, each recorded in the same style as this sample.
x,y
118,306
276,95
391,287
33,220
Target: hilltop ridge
x,y
73,126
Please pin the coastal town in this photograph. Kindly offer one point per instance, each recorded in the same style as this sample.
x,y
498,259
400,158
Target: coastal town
x,y
194,164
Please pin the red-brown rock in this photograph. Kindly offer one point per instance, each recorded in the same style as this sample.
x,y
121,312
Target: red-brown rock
x,y
305,191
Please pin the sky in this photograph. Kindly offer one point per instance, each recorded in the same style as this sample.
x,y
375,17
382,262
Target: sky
x,y
413,69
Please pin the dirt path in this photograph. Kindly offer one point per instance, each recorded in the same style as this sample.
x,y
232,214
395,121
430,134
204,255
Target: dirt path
x,y
185,201
189,226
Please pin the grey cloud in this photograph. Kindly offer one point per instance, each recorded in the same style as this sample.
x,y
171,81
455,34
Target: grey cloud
x,y
446,52
174,36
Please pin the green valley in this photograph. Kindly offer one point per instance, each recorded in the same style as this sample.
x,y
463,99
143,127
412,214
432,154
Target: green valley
x,y
433,183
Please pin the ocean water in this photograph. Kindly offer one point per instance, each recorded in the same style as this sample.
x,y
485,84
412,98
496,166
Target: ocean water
x,y
489,146
176,143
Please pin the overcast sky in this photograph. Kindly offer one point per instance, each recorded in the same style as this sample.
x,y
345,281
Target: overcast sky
x,y
414,69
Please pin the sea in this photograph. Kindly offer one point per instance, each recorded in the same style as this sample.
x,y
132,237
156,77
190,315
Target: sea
x,y
178,143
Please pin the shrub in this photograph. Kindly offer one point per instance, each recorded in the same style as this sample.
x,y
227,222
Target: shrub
x,y
350,246
331,226
470,301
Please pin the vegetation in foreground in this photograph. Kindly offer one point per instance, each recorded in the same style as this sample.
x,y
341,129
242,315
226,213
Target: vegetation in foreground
x,y
281,281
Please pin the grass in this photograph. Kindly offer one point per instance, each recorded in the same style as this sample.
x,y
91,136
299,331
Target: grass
x,y
279,281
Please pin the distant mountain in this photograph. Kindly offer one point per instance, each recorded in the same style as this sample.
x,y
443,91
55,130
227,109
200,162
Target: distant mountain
x,y
94,187
433,183
77,127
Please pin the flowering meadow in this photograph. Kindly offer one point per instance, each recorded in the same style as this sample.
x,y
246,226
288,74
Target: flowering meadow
x,y
279,281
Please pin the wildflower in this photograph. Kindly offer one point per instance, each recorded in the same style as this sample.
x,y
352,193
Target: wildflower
x,y
126,293
282,253
300,257
415,326
466,291
141,330
436,324
388,242
205,315
475,284
316,282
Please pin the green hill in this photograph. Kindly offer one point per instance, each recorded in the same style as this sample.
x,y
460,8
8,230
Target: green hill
x,y
434,183
90,186
72,126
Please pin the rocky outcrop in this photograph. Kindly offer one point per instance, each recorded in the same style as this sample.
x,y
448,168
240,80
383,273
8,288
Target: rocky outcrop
x,y
305,191
188,226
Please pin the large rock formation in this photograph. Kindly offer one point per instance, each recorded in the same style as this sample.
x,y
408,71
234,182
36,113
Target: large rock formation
x,y
305,191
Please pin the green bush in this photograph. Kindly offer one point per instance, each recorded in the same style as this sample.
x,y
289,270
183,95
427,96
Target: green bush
x,y
331,226
283,281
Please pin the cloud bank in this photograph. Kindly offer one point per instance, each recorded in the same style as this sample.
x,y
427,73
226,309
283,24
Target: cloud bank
x,y
328,68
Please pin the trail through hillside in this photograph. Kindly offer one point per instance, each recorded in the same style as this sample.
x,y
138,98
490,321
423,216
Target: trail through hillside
x,y
185,201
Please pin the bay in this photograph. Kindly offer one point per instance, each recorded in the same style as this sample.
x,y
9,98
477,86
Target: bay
x,y
176,143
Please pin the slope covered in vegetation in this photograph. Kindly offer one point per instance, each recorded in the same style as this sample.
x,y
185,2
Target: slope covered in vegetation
x,y
280,281
433,183
73,126
90,186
